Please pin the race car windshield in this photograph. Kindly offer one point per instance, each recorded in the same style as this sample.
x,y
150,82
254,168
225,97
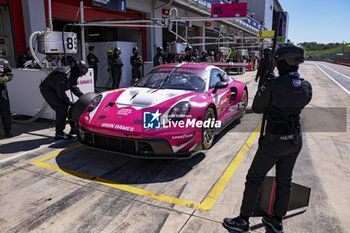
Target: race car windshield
x,y
174,80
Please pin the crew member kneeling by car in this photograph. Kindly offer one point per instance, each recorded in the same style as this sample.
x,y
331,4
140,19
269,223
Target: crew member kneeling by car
x,y
281,99
54,88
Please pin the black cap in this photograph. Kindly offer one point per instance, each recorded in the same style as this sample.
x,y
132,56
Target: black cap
x,y
159,49
91,48
80,68
117,49
292,54
135,49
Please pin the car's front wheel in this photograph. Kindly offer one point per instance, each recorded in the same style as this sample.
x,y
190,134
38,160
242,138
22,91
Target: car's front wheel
x,y
208,132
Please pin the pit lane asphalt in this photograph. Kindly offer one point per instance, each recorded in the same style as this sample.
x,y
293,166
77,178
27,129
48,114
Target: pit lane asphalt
x,y
40,199
338,73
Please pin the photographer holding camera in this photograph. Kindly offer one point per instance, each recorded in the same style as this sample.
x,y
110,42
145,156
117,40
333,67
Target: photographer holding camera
x,y
281,100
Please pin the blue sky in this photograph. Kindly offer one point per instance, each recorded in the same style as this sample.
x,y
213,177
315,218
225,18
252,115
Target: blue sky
x,y
323,21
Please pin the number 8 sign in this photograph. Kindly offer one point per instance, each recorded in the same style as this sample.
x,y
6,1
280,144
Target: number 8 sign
x,y
51,43
71,42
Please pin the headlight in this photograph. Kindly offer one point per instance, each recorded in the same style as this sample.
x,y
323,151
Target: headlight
x,y
94,103
179,111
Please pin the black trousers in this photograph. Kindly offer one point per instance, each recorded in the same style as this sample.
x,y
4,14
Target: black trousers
x,y
58,106
262,79
136,75
116,76
5,112
283,154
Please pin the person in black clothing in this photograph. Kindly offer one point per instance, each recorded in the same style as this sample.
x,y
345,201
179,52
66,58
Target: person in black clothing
x,y
136,63
188,55
195,54
116,68
92,61
5,76
264,67
281,99
54,88
159,57
24,57
109,67
204,57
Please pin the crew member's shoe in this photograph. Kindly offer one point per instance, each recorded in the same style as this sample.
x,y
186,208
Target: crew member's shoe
x,y
63,136
73,131
236,224
276,225
8,134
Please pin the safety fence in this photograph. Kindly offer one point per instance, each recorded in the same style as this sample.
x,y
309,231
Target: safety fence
x,y
332,57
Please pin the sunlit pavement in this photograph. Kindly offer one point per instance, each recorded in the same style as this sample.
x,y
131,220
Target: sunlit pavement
x,y
45,188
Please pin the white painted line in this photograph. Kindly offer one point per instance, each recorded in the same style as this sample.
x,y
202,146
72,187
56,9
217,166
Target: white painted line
x,y
333,80
337,72
28,152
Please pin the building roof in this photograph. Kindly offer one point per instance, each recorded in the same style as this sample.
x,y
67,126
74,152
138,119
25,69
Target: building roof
x,y
277,6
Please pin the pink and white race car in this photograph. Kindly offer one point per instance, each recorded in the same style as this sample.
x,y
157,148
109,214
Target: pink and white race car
x,y
173,112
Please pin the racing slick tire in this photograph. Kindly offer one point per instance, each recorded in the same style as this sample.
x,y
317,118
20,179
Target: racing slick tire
x,y
208,132
79,107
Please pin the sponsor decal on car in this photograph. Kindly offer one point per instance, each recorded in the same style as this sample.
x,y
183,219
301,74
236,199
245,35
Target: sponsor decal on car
x,y
116,126
152,120
185,136
124,111
192,123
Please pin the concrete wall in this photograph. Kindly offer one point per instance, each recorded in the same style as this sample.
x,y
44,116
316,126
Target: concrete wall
x,y
33,16
269,14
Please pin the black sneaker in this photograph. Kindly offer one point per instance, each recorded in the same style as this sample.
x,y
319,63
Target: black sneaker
x,y
63,137
8,134
73,131
236,224
271,221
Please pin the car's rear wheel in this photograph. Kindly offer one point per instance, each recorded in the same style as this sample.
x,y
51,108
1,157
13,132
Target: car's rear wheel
x,y
208,132
244,102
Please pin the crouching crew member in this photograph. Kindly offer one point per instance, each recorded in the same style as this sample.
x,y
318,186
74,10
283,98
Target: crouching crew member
x,y
54,88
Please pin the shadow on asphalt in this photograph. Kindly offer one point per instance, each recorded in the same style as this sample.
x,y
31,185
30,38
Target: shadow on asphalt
x,y
25,145
122,169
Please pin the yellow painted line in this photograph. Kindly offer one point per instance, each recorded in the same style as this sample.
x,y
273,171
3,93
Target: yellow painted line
x,y
219,187
127,188
56,154
207,203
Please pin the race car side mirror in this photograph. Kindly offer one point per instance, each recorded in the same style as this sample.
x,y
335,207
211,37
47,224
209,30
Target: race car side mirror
x,y
220,85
